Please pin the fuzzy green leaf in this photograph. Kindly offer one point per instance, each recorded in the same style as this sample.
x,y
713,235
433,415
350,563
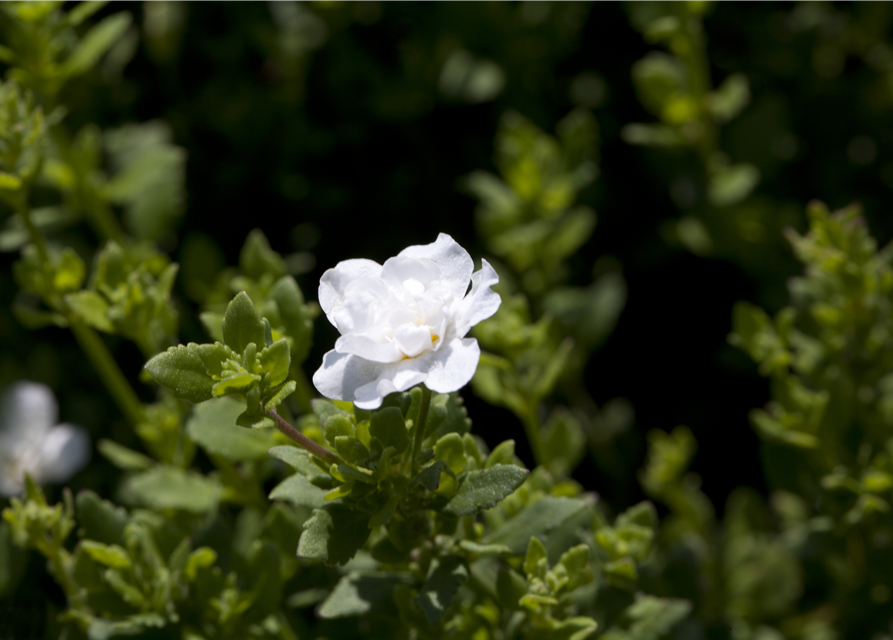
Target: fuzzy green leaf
x,y
389,427
95,43
100,520
481,490
109,555
537,519
92,308
165,487
213,427
297,490
183,371
444,578
276,360
242,324
357,594
333,534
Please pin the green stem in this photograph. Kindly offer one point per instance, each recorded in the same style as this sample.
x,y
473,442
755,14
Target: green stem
x,y
419,432
303,441
108,370
532,430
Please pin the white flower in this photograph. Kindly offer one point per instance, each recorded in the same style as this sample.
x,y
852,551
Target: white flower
x,y
404,323
31,442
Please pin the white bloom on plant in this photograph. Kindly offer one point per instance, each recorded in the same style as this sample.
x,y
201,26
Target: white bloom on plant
x,y
404,323
31,441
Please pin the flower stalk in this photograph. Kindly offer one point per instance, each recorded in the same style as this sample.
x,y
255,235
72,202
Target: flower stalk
x,y
419,432
303,441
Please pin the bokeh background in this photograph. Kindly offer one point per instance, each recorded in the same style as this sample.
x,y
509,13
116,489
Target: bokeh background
x,y
348,130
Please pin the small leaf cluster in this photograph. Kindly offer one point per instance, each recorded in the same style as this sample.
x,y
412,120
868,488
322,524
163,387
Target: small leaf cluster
x,y
621,547
545,596
43,45
263,275
248,365
544,330
23,128
129,294
528,217
381,482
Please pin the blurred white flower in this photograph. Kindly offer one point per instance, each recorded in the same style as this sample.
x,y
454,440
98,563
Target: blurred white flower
x,y
404,323
31,441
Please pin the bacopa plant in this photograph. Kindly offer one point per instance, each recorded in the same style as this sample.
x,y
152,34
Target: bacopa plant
x,y
230,496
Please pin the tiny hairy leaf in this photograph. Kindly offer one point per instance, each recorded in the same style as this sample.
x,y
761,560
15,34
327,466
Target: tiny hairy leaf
x,y
333,534
242,324
481,490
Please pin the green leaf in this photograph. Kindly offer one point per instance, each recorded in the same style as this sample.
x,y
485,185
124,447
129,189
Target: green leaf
x,y
297,490
481,490
183,370
576,628
563,443
83,11
732,184
451,450
124,458
535,552
357,594
100,520
653,617
102,629
444,578
237,384
333,534
389,427
92,308
730,97
299,460
276,360
95,43
242,324
484,549
576,561
109,555
338,425
199,559
504,453
258,259
510,587
212,426
281,394
429,477
296,317
213,324
538,519
165,487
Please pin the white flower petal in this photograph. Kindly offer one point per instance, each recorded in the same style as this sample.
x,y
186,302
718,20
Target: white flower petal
x,y
395,377
365,347
334,281
454,262
27,412
453,366
412,339
342,375
480,303
64,451
400,270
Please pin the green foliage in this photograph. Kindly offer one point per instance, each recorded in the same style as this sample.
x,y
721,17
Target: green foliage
x,y
385,523
248,366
